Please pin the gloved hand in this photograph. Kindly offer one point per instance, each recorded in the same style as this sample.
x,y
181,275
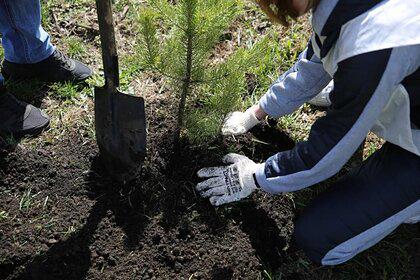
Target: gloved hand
x,y
237,123
228,183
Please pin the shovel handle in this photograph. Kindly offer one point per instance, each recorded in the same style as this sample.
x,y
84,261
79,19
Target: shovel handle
x,y
108,44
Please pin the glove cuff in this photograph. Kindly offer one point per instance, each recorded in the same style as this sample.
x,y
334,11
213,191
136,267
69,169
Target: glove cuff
x,y
248,179
251,119
256,181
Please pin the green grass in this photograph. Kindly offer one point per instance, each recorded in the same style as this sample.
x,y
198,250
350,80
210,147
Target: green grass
x,y
27,200
70,230
76,48
3,215
45,13
281,52
68,91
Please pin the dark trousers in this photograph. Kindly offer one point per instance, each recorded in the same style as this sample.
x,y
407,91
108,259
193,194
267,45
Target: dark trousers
x,y
362,208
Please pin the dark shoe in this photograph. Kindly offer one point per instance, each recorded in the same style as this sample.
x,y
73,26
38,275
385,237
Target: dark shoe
x,y
56,68
19,119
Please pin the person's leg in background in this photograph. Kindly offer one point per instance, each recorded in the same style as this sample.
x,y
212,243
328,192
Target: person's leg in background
x,y
29,54
23,38
27,48
363,208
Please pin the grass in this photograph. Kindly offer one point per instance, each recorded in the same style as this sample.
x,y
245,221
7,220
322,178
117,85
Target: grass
x,y
3,215
71,229
68,91
27,200
75,47
297,124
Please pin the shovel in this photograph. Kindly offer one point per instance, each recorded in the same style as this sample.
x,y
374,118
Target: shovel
x,y
120,120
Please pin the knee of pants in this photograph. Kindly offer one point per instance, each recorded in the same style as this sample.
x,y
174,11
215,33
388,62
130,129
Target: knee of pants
x,y
309,237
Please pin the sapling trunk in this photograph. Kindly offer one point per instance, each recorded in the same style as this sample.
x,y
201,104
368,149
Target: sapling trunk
x,y
186,81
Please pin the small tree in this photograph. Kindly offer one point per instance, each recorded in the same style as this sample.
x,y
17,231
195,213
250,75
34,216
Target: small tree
x,y
176,40
219,97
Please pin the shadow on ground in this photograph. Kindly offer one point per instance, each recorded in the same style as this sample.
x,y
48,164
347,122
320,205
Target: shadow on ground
x,y
164,202
71,258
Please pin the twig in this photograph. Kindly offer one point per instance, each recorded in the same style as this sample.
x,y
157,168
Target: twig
x,y
124,12
92,29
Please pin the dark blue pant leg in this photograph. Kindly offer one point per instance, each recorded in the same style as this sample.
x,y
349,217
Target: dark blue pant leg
x,y
362,208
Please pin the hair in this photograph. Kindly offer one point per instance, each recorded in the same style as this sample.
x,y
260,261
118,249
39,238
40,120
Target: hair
x,y
281,11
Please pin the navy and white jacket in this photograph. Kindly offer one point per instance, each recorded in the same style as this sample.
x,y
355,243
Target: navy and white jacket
x,y
371,48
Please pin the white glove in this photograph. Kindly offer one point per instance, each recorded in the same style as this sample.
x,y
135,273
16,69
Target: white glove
x,y
237,123
228,183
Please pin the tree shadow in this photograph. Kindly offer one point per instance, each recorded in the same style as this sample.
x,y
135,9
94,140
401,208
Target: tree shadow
x,y
262,142
71,258
221,273
7,145
269,140
264,233
173,196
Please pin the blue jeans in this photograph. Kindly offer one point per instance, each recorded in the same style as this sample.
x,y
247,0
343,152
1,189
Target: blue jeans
x,y
23,38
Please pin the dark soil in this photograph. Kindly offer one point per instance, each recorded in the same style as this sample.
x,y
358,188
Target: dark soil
x,y
80,224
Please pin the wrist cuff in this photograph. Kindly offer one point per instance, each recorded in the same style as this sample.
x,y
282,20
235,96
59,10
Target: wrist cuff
x,y
251,119
262,179
270,106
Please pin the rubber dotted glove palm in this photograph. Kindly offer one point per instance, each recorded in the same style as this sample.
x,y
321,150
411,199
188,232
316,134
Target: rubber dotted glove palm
x,y
230,183
237,123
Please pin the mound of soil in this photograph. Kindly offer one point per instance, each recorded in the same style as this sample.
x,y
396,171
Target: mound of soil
x,y
68,220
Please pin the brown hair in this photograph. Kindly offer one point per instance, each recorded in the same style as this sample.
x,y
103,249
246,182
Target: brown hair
x,y
281,11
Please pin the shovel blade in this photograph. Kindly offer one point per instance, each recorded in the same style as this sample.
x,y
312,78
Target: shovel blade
x,y
120,125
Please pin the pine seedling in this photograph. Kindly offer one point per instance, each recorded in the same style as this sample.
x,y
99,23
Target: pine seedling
x,y
221,96
176,40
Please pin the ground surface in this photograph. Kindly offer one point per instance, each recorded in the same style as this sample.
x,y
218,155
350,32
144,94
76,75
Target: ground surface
x,y
61,217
